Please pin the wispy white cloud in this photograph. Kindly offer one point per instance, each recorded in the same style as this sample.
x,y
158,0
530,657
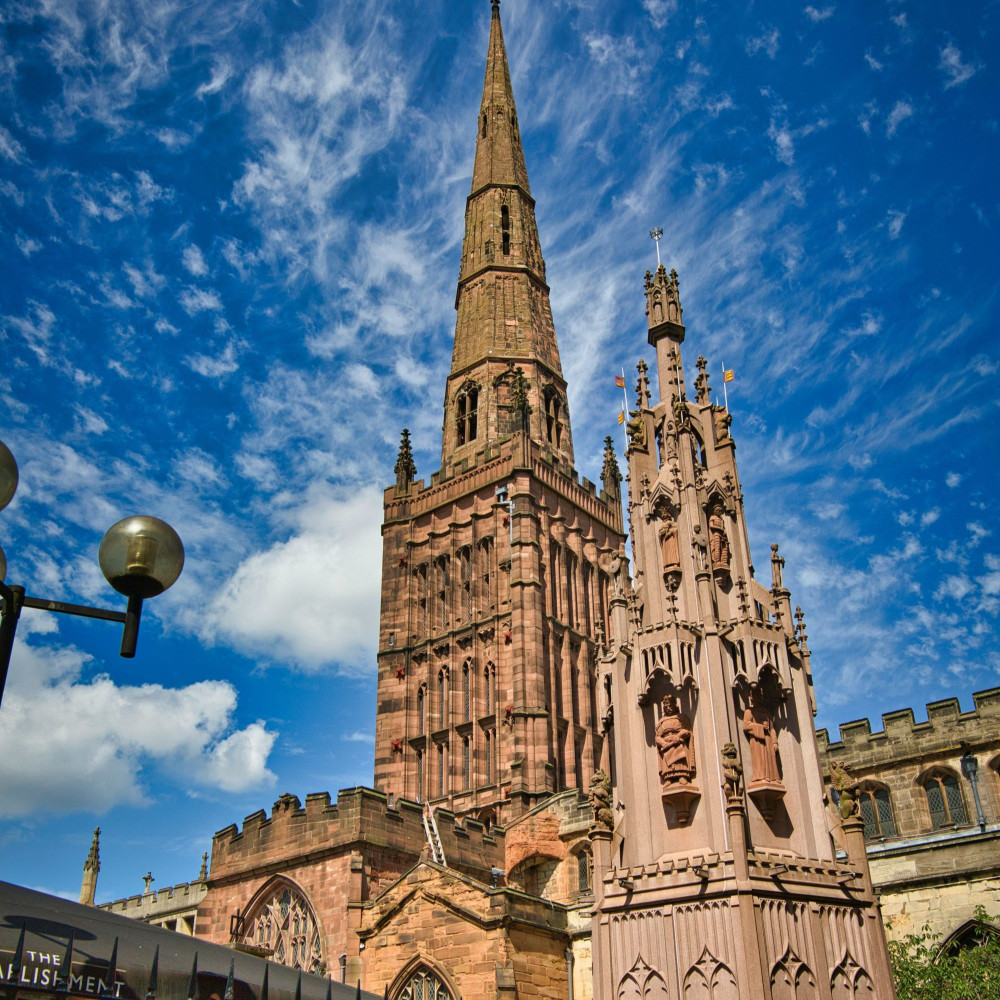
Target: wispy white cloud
x,y
766,43
194,261
195,300
819,14
955,70
901,110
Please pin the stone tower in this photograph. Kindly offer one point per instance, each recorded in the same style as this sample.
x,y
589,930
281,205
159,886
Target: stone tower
x,y
716,872
91,869
495,575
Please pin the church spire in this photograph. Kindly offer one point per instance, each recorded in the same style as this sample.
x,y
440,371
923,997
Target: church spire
x,y
91,867
504,320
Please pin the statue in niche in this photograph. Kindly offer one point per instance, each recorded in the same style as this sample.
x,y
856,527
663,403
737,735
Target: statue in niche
x,y
701,547
732,772
673,744
615,567
846,787
718,540
758,726
636,428
600,799
669,548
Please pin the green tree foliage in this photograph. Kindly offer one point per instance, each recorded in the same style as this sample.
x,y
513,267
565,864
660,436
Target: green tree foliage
x,y
923,971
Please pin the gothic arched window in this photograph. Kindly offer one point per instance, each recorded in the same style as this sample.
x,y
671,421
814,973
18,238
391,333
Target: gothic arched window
x,y
424,985
876,812
466,692
505,229
467,414
421,711
553,418
283,923
944,799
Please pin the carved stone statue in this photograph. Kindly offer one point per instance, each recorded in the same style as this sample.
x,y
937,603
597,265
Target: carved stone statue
x,y
847,789
669,549
718,540
615,568
636,428
600,799
673,744
723,420
732,772
758,726
700,547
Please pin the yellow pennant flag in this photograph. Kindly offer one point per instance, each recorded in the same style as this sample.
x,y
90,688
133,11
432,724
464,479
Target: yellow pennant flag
x,y
621,417
727,376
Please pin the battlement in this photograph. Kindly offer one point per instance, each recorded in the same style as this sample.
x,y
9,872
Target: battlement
x,y
159,902
946,724
359,816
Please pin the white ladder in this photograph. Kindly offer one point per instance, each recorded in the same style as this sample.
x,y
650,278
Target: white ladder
x,y
433,837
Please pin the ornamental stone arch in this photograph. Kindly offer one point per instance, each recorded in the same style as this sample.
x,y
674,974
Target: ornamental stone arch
x,y
281,920
423,979
642,983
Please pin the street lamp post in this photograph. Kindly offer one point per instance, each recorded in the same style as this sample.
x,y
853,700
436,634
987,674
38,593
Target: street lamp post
x,y
140,557
970,768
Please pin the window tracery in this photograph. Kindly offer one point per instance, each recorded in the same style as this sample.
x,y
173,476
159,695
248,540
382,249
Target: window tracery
x,y
944,799
424,985
284,924
876,811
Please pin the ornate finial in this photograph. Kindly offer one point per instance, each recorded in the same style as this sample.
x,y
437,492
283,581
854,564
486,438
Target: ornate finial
x,y
148,880
611,477
777,565
405,468
93,862
800,629
642,385
741,586
496,7
704,390
203,871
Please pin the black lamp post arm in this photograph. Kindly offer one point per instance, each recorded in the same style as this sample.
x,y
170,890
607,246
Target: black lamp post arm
x,y
14,599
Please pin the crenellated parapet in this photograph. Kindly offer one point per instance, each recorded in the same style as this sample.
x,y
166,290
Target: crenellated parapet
x,y
902,736
360,816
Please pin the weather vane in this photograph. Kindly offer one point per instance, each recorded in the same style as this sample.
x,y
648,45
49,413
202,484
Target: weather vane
x,y
656,234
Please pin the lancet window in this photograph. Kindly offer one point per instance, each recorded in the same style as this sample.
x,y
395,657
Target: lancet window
x,y
465,565
467,414
420,776
505,229
553,418
876,812
421,710
466,692
485,564
466,763
442,787
944,799
284,924
487,691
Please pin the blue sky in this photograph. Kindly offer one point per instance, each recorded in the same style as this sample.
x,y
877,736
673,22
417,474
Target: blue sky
x,y
230,235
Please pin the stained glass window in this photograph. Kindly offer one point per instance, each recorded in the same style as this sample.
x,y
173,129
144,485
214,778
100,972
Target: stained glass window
x,y
284,924
424,985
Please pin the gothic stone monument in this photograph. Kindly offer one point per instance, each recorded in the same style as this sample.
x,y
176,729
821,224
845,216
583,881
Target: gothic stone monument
x,y
716,876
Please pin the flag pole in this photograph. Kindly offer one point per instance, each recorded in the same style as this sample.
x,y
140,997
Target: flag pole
x,y
725,393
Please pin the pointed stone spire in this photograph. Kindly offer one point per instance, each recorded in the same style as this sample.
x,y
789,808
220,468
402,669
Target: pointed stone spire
x,y
504,317
499,155
405,468
91,867
611,477
203,871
